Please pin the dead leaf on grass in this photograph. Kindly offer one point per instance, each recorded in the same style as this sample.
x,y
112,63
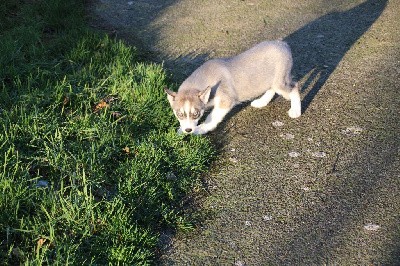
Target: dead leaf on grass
x,y
101,105
105,102
66,101
116,114
40,243
126,150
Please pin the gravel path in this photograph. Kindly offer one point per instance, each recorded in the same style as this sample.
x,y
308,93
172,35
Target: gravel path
x,y
321,189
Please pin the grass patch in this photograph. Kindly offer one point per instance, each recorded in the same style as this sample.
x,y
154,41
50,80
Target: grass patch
x,y
91,167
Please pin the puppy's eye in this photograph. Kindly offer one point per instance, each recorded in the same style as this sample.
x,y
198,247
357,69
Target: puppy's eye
x,y
180,115
196,114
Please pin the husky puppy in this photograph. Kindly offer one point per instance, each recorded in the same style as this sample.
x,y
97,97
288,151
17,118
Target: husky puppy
x,y
260,72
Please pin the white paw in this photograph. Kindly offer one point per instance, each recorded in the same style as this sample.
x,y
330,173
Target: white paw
x,y
294,113
200,130
258,103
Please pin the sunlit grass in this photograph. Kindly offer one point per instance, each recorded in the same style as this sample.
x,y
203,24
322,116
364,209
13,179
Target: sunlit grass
x,y
91,167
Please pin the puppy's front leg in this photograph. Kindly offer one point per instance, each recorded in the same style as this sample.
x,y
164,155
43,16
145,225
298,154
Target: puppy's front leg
x,y
212,120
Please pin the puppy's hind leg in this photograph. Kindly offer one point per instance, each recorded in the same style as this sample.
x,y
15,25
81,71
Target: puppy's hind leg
x,y
264,99
291,93
295,102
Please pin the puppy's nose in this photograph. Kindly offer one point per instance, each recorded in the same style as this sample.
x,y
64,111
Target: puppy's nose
x,y
188,130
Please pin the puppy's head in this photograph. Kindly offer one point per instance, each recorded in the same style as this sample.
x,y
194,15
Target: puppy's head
x,y
188,107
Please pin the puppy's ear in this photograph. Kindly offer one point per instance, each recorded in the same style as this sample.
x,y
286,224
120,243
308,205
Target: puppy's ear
x,y
205,95
170,94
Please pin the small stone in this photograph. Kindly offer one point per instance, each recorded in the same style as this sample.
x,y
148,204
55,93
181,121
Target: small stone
x,y
42,184
239,263
233,159
267,218
247,223
294,154
371,227
319,154
305,188
277,123
352,131
171,176
287,136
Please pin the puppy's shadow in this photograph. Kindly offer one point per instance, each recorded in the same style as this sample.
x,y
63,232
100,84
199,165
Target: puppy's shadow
x,y
319,46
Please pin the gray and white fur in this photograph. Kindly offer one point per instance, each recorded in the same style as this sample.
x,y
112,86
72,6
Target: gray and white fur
x,y
259,72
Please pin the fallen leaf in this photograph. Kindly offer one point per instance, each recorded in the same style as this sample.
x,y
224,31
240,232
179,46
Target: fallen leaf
x,y
116,114
102,104
126,150
65,101
110,98
41,242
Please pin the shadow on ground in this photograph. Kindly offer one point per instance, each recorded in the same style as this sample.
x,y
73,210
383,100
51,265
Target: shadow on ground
x,y
319,46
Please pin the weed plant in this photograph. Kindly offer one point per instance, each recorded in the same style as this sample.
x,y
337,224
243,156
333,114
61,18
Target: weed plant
x,y
91,166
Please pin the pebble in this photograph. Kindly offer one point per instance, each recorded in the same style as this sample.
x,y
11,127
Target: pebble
x,y
239,263
42,183
277,123
352,131
171,176
319,154
294,154
267,217
371,227
247,223
287,136
233,159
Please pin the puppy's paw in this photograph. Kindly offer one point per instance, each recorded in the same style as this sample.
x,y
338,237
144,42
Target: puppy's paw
x,y
200,130
258,103
294,112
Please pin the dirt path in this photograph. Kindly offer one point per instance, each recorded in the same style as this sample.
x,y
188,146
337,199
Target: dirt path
x,y
322,189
